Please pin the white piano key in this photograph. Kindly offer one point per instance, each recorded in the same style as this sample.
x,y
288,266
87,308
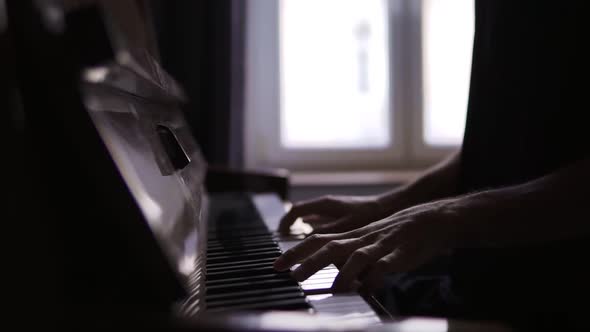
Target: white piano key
x,y
316,280
314,287
321,275
345,307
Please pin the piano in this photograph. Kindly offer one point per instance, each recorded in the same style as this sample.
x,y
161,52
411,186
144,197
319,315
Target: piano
x,y
128,226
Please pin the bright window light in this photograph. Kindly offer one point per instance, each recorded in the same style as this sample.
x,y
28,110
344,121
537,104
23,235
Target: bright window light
x,y
448,28
334,74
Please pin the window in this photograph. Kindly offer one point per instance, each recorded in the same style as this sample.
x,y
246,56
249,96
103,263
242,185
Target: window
x,y
334,73
446,43
356,84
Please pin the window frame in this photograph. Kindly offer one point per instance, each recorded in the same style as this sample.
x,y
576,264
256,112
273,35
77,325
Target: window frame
x,y
262,141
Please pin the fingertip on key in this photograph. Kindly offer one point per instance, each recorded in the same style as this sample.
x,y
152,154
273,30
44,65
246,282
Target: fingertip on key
x,y
341,286
298,275
279,264
337,286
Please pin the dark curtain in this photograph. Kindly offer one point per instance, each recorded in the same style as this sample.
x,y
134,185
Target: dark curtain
x,y
202,45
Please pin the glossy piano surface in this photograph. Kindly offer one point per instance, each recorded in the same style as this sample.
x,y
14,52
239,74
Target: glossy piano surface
x,y
152,147
136,108
296,322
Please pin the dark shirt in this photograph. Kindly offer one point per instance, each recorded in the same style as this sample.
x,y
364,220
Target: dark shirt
x,y
528,116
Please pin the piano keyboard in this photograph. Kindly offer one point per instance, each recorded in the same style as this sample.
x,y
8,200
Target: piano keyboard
x,y
241,250
240,255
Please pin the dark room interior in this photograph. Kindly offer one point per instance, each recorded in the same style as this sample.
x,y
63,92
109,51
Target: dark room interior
x,y
296,165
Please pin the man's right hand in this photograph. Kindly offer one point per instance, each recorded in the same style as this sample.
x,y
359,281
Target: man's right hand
x,y
337,214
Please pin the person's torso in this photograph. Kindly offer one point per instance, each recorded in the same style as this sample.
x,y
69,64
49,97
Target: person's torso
x,y
528,116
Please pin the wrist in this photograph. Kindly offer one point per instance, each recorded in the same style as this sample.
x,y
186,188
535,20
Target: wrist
x,y
393,201
468,219
455,214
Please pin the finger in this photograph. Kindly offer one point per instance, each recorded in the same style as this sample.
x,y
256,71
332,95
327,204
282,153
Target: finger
x,y
315,220
358,262
296,254
346,224
318,206
332,252
352,226
335,226
323,229
391,263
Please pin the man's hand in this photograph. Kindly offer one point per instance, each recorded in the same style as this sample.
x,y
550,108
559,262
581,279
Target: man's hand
x,y
337,214
400,242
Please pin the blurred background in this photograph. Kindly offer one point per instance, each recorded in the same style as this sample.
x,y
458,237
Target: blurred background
x,y
350,96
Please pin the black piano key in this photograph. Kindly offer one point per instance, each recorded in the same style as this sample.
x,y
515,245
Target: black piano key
x,y
243,243
245,263
271,276
239,255
244,266
240,270
290,304
240,273
248,285
249,236
233,233
241,249
242,246
245,229
228,235
241,226
217,253
253,293
242,239
257,247
242,257
254,300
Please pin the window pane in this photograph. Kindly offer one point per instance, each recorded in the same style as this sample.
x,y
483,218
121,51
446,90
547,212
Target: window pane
x,y
334,74
448,28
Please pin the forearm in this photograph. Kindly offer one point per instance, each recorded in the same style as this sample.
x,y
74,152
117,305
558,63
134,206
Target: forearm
x,y
438,182
548,209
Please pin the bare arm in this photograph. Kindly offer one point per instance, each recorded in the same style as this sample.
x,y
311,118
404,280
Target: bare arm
x,y
336,214
438,182
551,208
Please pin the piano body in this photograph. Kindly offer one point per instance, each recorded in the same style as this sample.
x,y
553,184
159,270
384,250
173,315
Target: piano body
x,y
148,237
